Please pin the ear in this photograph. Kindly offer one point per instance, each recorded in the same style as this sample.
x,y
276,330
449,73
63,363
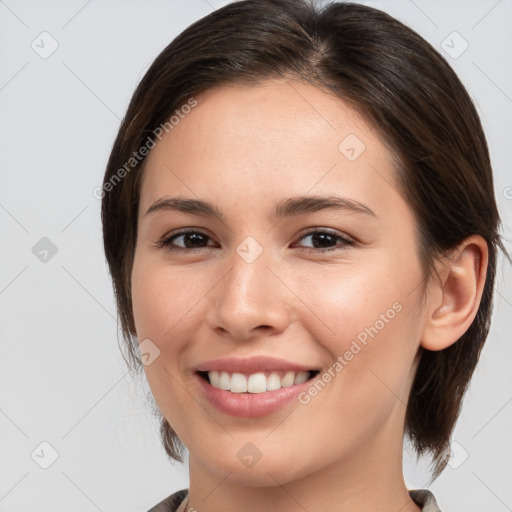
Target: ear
x,y
453,301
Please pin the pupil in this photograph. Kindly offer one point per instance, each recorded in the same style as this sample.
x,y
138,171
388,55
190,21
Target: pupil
x,y
193,237
322,237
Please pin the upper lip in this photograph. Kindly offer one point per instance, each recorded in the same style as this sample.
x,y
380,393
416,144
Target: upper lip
x,y
250,365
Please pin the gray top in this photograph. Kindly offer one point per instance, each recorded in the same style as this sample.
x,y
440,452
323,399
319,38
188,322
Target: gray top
x,y
422,497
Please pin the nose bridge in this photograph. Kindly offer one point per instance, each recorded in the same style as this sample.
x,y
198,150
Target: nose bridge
x,y
249,296
249,268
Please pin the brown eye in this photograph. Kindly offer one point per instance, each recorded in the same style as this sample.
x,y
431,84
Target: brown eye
x,y
185,240
326,240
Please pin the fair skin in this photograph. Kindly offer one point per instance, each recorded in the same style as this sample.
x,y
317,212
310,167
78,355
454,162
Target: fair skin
x,y
244,149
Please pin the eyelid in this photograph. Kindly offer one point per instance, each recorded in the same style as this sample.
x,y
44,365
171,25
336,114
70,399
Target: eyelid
x,y
329,231
164,242
346,240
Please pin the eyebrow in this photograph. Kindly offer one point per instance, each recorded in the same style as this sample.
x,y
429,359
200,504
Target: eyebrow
x,y
284,208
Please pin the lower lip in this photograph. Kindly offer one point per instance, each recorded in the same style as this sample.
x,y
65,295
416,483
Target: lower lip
x,y
251,405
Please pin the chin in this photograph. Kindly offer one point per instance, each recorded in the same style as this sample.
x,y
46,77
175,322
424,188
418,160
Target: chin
x,y
275,468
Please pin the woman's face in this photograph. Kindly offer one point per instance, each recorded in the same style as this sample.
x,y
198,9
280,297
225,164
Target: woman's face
x,y
344,301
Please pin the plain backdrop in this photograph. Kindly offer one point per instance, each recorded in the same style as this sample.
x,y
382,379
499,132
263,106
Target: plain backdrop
x,y
67,72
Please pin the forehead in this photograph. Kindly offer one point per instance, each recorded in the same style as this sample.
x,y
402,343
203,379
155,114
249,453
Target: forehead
x,y
285,109
265,136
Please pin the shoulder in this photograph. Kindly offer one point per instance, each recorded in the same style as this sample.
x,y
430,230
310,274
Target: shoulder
x,y
424,499
171,503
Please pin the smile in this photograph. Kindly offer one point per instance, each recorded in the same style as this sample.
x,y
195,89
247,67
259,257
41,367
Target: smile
x,y
253,395
259,382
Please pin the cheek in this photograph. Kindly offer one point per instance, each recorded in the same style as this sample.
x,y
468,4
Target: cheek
x,y
365,318
166,301
344,300
163,298
163,307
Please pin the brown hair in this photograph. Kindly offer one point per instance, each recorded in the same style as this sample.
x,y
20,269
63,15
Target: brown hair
x,y
402,86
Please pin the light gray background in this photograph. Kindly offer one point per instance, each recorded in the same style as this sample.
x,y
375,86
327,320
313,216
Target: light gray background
x,y
62,378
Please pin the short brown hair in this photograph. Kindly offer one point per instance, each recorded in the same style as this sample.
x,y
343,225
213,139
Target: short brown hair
x,y
402,86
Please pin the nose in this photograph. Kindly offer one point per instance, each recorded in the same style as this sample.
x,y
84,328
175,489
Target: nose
x,y
250,300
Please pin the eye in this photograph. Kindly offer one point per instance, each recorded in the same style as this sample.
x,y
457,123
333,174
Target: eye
x,y
190,239
326,240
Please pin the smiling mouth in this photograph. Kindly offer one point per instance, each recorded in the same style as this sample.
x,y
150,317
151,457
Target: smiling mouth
x,y
259,382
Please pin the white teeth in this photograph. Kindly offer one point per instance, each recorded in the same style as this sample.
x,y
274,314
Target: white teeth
x,y
301,377
256,382
214,379
238,383
225,381
288,380
273,382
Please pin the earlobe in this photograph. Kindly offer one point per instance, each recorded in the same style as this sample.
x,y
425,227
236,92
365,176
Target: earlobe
x,y
454,300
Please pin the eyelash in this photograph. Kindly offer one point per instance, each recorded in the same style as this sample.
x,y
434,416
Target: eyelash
x,y
166,242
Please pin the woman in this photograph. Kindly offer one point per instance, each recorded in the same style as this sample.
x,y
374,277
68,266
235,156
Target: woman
x,y
300,224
